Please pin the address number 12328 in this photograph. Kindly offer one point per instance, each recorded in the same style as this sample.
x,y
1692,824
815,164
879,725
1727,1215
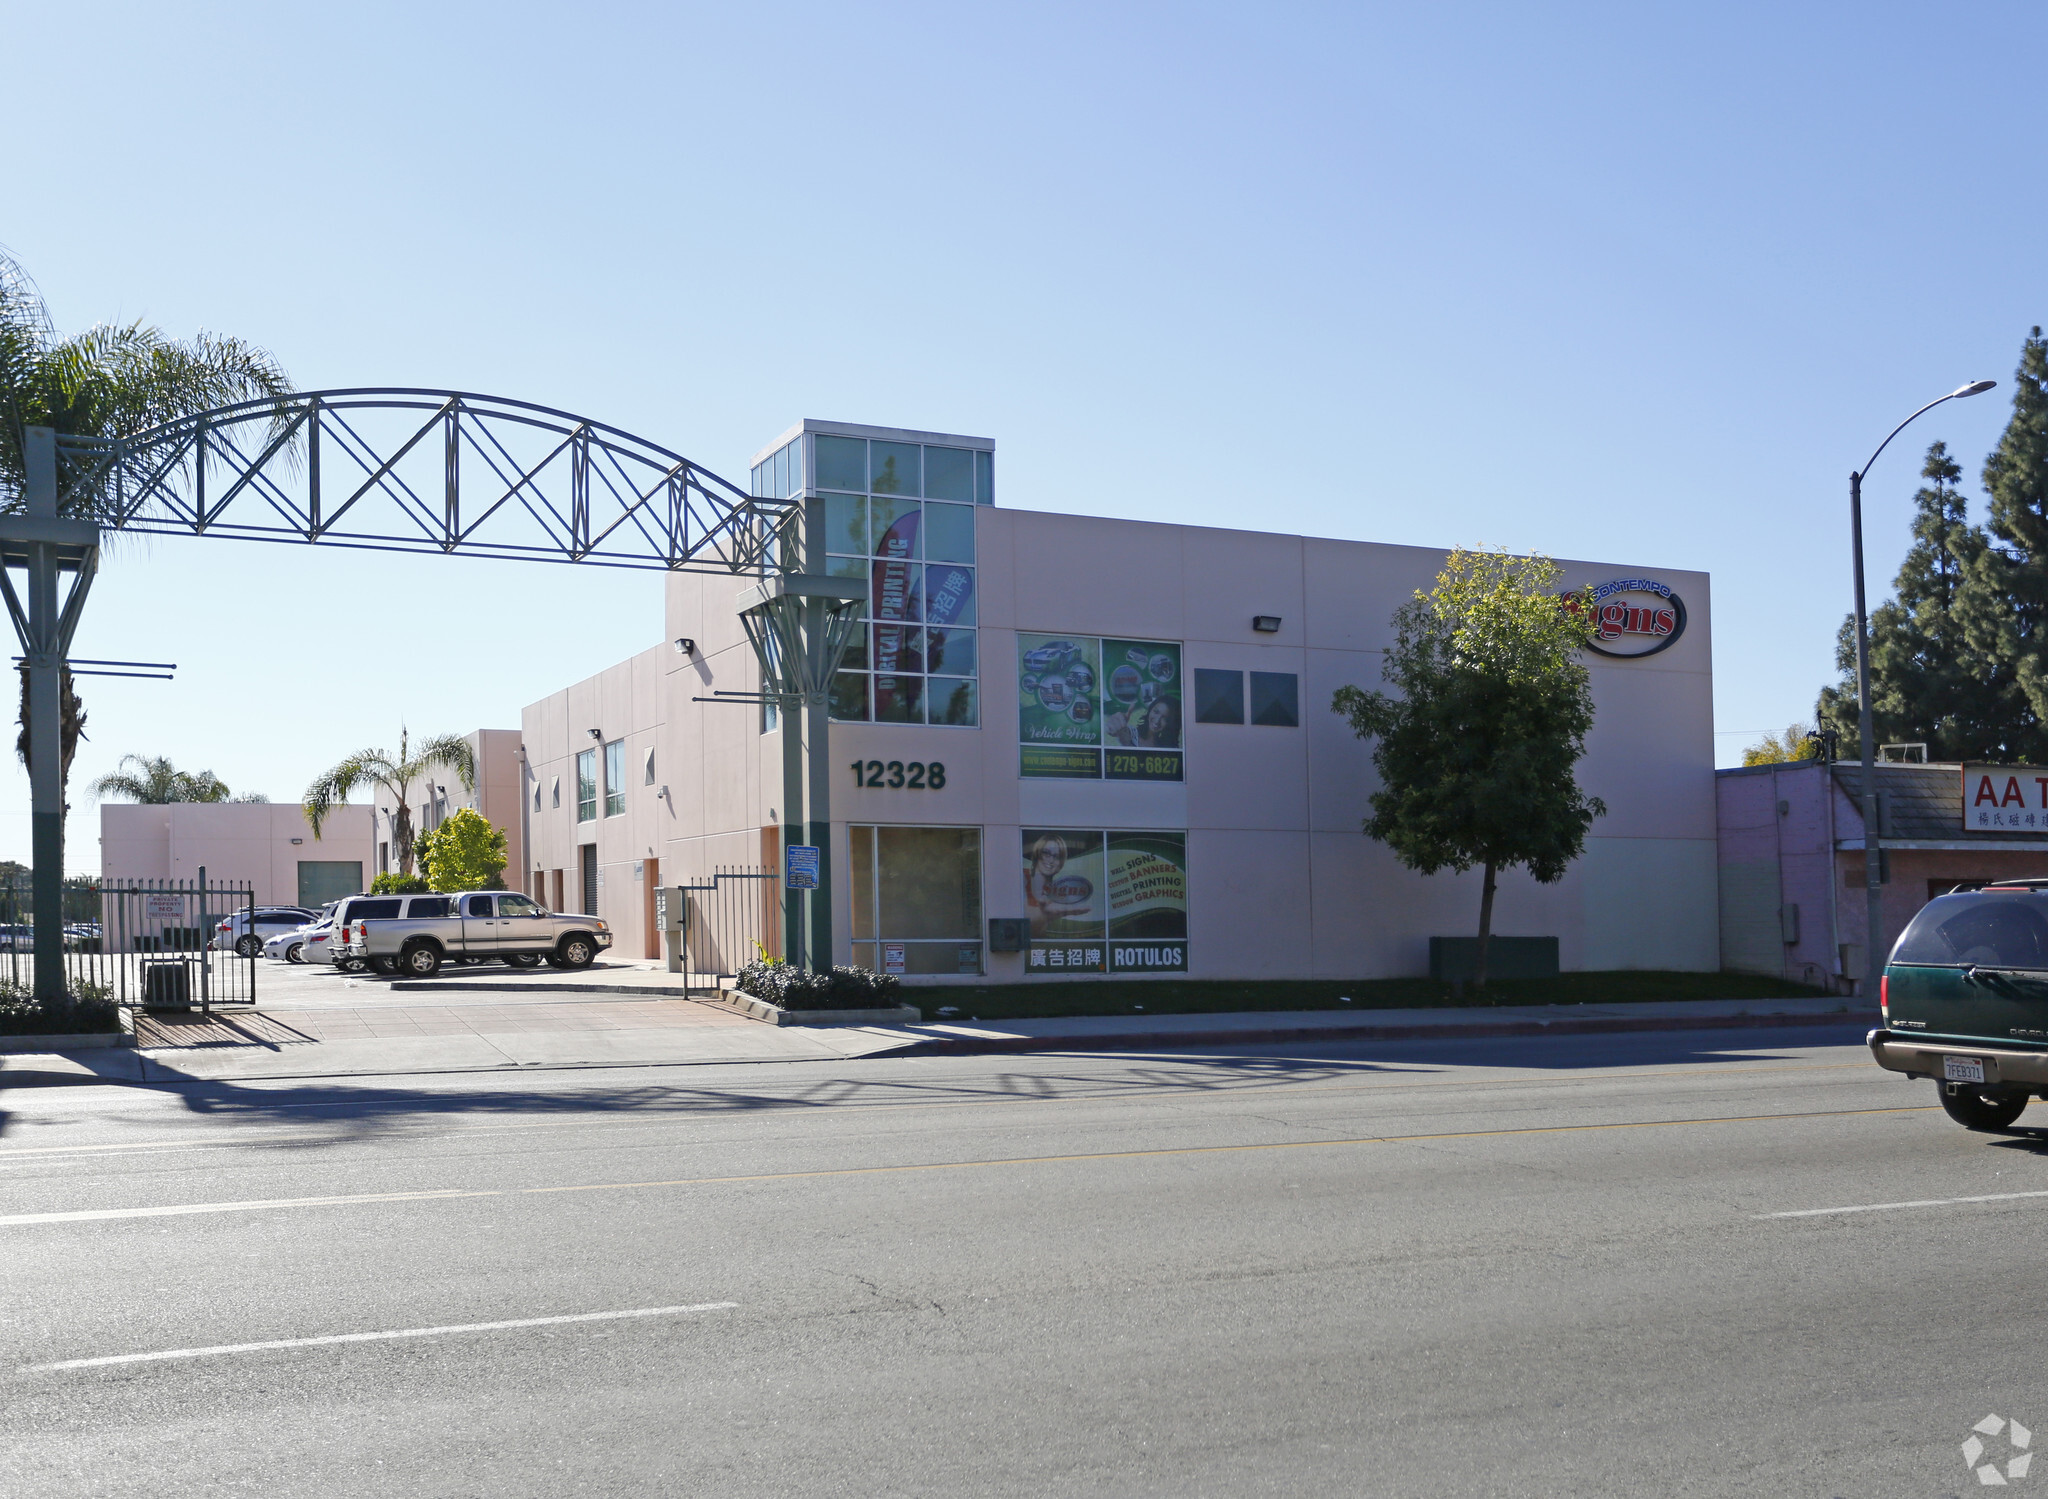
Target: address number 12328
x,y
906,775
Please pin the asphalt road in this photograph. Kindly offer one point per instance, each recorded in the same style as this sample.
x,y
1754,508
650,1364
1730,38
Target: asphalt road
x,y
1490,1268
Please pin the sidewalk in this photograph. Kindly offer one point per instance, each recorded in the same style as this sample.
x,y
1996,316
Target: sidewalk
x,y
492,1026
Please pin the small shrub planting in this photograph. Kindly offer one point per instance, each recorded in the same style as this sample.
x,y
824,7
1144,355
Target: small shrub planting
x,y
792,988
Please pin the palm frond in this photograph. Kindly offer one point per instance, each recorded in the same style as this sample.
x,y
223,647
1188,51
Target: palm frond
x,y
451,750
331,788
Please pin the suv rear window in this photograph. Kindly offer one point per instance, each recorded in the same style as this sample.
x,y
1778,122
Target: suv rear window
x,y
427,905
1995,931
372,910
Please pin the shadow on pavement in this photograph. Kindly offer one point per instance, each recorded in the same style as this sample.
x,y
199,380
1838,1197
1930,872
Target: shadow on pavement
x,y
342,1112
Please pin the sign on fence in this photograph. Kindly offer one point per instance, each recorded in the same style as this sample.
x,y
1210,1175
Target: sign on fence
x,y
154,906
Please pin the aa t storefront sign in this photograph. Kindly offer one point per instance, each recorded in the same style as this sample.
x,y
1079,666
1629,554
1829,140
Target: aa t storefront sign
x,y
2005,798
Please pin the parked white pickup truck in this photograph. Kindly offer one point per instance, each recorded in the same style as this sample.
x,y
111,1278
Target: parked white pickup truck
x,y
486,924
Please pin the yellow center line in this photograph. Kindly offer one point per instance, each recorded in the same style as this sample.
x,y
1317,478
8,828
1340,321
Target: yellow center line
x,y
179,1210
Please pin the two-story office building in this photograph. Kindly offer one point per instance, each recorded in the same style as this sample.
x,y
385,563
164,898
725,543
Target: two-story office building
x,y
1116,731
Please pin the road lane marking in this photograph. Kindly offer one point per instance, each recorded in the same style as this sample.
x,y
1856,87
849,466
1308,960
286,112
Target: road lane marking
x,y
1885,1207
1035,1160
600,1118
374,1337
87,1215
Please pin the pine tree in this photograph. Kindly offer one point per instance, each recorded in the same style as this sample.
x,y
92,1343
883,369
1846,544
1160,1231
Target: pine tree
x,y
1935,680
2005,601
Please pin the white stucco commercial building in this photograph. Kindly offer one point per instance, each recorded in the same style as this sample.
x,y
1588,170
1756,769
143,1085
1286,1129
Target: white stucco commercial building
x,y
1115,731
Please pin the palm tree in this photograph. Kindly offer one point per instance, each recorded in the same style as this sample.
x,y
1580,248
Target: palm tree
x,y
153,780
106,382
375,767
109,381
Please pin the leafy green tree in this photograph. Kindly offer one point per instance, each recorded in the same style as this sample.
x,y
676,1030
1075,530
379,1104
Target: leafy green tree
x,y
395,776
1476,752
1780,749
388,883
153,780
466,852
109,381
1940,670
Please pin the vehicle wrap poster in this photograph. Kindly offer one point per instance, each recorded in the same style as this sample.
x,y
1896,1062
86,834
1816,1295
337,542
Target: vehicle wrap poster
x,y
1099,709
1100,902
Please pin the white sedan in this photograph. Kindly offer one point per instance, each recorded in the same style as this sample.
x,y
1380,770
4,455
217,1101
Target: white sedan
x,y
292,946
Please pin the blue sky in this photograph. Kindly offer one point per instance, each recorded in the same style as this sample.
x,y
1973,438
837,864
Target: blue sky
x,y
1639,283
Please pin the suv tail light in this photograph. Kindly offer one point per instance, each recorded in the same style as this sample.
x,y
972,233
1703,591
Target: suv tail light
x,y
1884,998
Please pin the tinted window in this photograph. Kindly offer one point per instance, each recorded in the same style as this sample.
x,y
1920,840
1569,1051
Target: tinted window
x,y
1219,696
1995,931
373,910
428,905
1276,699
477,905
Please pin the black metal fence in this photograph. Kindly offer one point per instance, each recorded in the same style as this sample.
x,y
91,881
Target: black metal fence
x,y
150,944
729,921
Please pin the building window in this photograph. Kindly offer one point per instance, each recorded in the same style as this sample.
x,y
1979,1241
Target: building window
x,y
647,767
555,792
1276,699
1106,901
615,778
781,474
916,898
901,515
1219,696
586,786
536,796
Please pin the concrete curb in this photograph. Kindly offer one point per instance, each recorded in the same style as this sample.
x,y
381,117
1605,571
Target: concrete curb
x,y
77,1041
543,986
767,1014
1174,1040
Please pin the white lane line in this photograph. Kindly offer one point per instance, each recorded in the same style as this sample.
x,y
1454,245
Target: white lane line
x,y
1885,1207
88,1215
375,1337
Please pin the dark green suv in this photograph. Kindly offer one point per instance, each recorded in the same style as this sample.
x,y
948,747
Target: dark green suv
x,y
1965,1002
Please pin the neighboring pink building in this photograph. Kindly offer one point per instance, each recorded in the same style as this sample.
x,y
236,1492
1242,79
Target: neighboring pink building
x,y
268,844
1791,862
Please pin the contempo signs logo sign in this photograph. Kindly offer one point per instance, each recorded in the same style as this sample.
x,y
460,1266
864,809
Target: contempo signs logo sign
x,y
1635,617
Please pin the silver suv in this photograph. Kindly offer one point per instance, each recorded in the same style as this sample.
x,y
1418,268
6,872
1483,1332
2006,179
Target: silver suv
x,y
482,924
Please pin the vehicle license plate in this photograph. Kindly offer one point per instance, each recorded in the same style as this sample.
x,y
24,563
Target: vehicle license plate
x,y
1962,1069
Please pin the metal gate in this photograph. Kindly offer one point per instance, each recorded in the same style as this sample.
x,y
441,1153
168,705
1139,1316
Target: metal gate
x,y
148,944
730,921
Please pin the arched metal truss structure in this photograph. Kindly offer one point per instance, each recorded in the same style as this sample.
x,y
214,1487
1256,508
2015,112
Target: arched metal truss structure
x,y
408,470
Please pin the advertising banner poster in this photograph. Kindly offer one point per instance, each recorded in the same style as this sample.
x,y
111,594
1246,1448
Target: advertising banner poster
x,y
1096,709
1064,894
1060,710
1148,902
1106,902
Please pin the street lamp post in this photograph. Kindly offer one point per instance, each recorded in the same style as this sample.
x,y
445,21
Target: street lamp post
x,y
1866,734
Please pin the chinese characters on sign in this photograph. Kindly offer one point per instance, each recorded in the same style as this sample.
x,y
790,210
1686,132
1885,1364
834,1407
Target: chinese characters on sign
x,y
2005,798
1094,709
1106,902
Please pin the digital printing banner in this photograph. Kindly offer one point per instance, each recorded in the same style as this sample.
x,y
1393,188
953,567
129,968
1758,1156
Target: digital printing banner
x,y
1106,902
1094,709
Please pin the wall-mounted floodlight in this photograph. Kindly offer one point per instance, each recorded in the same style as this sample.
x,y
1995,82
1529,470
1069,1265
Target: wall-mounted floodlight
x,y
595,733
685,646
1266,624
